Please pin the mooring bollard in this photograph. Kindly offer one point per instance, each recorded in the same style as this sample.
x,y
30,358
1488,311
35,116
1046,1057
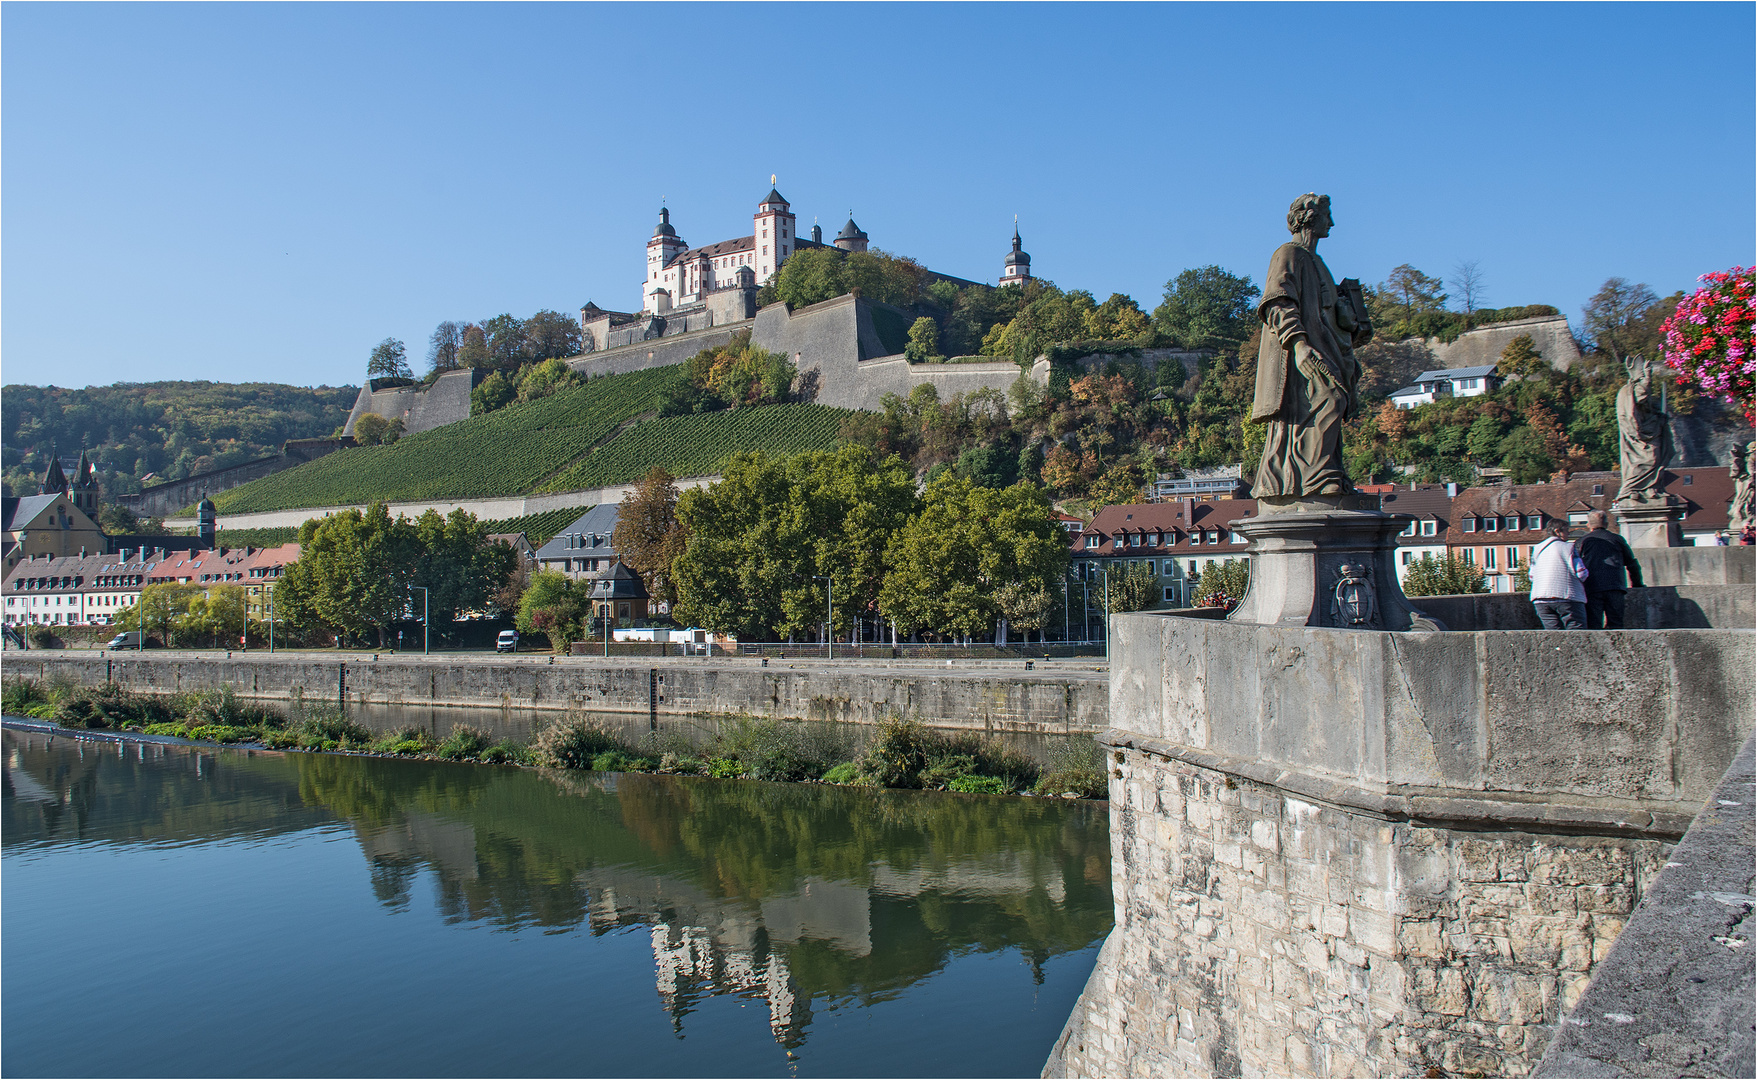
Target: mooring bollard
x,y
765,661
1028,664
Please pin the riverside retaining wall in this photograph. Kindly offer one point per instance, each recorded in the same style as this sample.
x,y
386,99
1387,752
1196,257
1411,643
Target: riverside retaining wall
x,y
997,701
1352,853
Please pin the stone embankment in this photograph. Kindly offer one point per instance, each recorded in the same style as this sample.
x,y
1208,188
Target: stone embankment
x,y
1055,698
1358,853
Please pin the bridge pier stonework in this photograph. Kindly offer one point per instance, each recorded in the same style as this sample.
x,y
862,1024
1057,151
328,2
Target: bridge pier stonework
x,y
1360,853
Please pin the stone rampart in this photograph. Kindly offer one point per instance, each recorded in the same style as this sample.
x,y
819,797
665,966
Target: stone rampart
x,y
420,409
1477,348
1361,853
655,352
178,495
838,349
1037,702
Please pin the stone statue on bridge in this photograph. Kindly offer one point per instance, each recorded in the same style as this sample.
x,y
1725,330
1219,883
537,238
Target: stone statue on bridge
x,y
1644,433
1743,513
1307,376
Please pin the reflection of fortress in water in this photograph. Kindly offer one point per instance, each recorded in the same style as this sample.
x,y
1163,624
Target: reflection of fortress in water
x,y
706,945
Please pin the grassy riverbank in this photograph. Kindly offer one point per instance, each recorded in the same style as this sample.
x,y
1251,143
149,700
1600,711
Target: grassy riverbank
x,y
902,752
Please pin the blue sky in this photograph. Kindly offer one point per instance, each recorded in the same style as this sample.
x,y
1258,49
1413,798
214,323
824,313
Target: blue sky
x,y
264,191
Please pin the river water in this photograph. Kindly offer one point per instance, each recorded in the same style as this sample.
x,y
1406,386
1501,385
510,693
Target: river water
x,y
191,911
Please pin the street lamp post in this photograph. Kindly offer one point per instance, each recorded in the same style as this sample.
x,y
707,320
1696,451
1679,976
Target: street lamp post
x,y
830,601
271,618
1106,612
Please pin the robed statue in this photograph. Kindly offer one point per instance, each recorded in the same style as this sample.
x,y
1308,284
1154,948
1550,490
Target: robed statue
x,y
1307,377
1743,511
1644,433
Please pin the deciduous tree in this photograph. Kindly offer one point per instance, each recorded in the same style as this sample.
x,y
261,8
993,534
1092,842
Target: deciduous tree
x,y
388,361
648,537
1207,308
443,346
1446,576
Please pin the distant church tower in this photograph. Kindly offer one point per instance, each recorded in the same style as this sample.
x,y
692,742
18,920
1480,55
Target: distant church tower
x,y
773,234
851,238
82,490
85,493
665,246
1018,267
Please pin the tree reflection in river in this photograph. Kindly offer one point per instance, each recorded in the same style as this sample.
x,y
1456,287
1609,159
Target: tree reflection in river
x,y
800,895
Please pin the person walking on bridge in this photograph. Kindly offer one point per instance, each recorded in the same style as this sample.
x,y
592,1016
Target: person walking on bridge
x,y
1610,567
1556,592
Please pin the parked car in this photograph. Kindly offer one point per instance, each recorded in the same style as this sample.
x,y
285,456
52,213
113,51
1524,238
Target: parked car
x,y
508,641
127,639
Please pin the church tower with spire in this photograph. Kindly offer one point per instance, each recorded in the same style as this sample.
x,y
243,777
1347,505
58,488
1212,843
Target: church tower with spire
x,y
1017,270
84,491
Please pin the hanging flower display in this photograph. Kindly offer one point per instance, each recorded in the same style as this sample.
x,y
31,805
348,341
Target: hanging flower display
x,y
1708,338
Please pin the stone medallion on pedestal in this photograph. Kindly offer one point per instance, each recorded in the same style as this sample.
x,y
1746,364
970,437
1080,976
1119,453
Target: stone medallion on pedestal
x,y
1325,561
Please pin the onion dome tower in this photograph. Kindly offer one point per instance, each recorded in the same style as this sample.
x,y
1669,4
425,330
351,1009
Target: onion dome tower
x,y
1018,266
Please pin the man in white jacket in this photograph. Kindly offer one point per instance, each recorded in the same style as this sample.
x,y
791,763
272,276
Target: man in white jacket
x,y
1556,592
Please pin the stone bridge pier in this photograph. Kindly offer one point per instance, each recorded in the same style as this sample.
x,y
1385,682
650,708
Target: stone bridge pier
x,y
1362,853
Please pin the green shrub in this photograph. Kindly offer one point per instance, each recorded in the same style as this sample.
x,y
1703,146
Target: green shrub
x,y
906,754
172,729
981,785
220,733
1082,782
22,697
407,739
506,752
573,743
943,769
725,768
617,761
768,749
463,743
109,705
679,763
845,773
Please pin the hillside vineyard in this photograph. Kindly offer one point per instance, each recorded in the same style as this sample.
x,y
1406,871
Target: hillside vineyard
x,y
568,440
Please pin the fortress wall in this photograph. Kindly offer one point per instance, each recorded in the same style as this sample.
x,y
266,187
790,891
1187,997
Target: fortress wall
x,y
446,401
1037,703
183,494
836,340
1479,347
1362,853
657,352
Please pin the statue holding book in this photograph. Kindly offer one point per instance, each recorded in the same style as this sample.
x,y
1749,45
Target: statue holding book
x,y
1307,377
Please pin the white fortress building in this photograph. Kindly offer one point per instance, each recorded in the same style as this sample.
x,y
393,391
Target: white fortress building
x,y
679,276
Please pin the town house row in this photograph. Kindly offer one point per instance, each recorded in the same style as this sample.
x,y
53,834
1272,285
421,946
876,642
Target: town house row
x,y
88,590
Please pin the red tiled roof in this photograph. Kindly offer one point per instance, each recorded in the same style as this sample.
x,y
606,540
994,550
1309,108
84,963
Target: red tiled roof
x,y
1171,521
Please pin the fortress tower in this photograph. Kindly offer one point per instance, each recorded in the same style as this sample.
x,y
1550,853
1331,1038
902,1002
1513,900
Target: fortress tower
x,y
851,238
662,250
774,236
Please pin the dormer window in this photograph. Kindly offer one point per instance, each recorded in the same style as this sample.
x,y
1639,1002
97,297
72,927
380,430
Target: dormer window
x,y
1430,527
1491,524
1469,524
1094,540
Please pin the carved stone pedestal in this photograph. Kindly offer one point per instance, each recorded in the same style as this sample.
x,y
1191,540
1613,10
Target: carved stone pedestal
x,y
1651,523
1325,563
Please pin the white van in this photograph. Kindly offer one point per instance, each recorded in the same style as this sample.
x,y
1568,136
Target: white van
x,y
508,641
127,639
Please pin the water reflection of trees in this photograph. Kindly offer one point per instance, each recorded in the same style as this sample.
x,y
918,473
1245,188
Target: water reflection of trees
x,y
794,894
779,891
66,790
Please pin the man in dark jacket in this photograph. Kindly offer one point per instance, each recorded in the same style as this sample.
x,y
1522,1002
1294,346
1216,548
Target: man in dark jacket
x,y
1610,567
